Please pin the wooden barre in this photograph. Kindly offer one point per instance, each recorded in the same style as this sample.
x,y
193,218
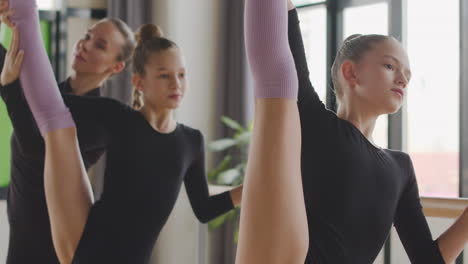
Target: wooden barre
x,y
432,206
443,207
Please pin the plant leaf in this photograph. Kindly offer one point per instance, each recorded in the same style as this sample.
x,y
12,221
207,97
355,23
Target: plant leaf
x,y
225,163
222,144
250,126
229,176
213,173
232,123
243,138
231,216
217,222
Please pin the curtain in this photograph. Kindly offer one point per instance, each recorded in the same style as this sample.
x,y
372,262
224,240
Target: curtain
x,y
235,100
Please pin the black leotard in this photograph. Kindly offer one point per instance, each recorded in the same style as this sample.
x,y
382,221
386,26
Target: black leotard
x,y
144,173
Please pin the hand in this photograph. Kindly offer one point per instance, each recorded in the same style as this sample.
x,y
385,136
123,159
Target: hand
x,y
452,242
236,195
6,13
13,61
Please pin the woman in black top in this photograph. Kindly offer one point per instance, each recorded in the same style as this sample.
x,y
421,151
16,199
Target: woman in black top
x,y
354,190
103,51
149,155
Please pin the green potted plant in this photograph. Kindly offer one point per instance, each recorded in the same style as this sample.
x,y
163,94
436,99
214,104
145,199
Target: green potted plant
x,y
230,171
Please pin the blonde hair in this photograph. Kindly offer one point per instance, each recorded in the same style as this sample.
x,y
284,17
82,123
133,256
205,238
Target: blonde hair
x,y
353,49
128,47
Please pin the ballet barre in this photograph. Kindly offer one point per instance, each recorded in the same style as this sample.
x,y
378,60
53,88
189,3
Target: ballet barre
x,y
443,207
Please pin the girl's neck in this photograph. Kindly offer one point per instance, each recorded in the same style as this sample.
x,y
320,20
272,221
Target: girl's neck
x,y
83,83
162,120
362,118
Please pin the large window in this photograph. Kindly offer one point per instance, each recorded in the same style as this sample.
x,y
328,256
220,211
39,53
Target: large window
x,y
49,4
314,33
356,21
433,95
307,2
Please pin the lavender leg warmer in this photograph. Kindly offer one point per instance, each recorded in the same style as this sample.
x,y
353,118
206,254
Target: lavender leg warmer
x,y
267,47
37,77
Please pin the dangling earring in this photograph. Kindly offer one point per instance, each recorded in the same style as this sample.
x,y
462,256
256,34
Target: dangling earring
x,y
137,99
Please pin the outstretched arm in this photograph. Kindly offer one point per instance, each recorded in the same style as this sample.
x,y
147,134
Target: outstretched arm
x,y
414,232
207,207
307,96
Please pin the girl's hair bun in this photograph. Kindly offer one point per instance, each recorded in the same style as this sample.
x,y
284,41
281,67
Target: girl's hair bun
x,y
148,31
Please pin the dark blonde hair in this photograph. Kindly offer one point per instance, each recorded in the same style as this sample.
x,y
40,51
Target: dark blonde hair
x,y
128,47
150,40
353,49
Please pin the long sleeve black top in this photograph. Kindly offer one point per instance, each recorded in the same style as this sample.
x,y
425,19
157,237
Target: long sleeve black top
x,y
353,190
144,173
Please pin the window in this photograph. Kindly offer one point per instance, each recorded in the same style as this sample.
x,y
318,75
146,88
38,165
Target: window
x,y
433,95
306,2
314,33
49,4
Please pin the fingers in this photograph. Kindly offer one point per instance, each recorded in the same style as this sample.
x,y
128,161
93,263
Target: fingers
x,y
3,5
19,60
14,42
13,56
5,17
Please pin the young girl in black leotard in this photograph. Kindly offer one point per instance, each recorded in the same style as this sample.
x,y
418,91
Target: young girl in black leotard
x,y
354,190
149,156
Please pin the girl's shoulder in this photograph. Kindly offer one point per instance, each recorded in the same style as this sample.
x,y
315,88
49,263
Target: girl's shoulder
x,y
190,132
